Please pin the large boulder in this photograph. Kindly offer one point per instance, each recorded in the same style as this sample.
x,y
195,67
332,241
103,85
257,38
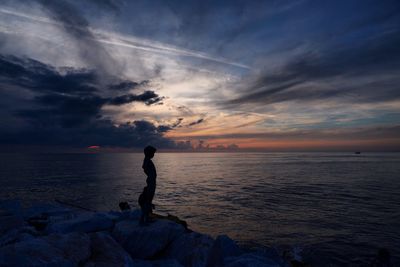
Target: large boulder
x,y
190,249
10,216
74,246
222,248
54,250
34,252
10,206
105,251
157,263
145,242
17,235
56,211
250,260
85,223
10,222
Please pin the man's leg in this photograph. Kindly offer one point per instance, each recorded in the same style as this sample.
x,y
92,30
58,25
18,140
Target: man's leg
x,y
152,191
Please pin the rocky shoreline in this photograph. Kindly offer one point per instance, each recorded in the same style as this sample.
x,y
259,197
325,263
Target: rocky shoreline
x,y
52,234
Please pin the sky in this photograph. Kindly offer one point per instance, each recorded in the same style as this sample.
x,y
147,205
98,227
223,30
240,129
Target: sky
x,y
296,75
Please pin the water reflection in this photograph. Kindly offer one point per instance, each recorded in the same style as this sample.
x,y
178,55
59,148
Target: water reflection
x,y
332,204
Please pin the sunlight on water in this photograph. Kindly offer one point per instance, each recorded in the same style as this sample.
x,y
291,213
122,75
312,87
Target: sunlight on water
x,y
337,207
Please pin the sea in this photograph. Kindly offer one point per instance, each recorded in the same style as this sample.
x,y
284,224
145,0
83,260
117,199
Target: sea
x,y
335,209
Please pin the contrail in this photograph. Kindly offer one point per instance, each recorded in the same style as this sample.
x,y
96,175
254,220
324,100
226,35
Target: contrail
x,y
133,42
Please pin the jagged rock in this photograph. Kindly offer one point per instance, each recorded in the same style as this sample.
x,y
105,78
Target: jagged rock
x,y
10,216
250,260
117,216
272,254
144,242
124,206
124,242
75,246
222,248
39,222
10,222
157,263
17,235
172,218
105,251
133,215
11,206
48,210
85,223
35,252
42,214
54,250
190,249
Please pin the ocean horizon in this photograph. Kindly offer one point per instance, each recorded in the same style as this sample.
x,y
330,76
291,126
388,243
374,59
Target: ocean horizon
x,y
335,208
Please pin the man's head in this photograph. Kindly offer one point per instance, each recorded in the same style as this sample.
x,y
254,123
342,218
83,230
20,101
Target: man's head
x,y
149,151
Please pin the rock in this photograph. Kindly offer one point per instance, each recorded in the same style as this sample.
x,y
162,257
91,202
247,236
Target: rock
x,y
124,215
145,242
273,255
53,250
10,207
250,260
48,210
166,263
132,215
157,263
190,249
105,251
222,248
85,223
74,246
172,218
17,235
10,222
124,206
82,238
39,222
34,252
10,216
142,263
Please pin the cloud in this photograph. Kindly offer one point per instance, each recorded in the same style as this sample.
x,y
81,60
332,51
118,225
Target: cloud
x,y
263,59
355,133
99,55
100,132
40,77
113,5
148,97
127,85
65,107
77,27
366,71
196,122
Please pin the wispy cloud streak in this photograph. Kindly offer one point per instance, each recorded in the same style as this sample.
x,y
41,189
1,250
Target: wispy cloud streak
x,y
133,42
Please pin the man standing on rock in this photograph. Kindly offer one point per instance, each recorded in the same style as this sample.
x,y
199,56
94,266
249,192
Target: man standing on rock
x,y
146,198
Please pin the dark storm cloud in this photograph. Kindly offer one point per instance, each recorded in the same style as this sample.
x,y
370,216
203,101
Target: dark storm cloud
x,y
73,84
32,74
148,97
127,85
66,108
100,132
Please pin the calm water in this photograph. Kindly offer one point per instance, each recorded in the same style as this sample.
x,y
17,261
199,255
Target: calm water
x,y
339,208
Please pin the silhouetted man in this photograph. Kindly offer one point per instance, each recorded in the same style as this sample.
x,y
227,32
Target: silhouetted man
x,y
146,198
